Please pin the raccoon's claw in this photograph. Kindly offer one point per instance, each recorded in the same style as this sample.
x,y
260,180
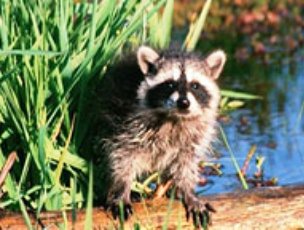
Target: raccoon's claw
x,y
210,208
122,211
200,213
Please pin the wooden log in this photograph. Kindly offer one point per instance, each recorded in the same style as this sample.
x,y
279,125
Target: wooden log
x,y
264,208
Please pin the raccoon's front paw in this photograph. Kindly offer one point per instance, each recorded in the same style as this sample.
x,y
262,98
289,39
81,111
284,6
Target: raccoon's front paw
x,y
199,211
121,210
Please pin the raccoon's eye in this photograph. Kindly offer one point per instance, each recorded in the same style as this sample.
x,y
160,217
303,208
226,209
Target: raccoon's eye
x,y
194,85
171,84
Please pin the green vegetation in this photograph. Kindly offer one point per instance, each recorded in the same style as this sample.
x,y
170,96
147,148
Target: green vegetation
x,y
49,54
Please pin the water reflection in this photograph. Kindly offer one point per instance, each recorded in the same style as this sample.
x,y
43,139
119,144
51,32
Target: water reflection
x,y
274,124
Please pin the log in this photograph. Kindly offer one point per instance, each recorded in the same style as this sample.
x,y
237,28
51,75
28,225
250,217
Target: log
x,y
263,208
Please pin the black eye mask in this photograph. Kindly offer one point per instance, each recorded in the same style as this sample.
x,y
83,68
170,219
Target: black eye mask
x,y
200,93
158,95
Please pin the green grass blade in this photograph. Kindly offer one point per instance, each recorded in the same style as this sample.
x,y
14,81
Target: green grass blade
x,y
166,24
49,54
71,160
25,215
239,95
3,34
89,208
63,33
74,205
194,34
59,168
25,171
233,159
93,27
41,151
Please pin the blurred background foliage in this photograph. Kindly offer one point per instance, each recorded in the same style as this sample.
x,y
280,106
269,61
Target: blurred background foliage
x,y
247,28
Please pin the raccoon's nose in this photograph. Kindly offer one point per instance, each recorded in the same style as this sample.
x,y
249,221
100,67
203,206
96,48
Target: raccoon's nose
x,y
183,103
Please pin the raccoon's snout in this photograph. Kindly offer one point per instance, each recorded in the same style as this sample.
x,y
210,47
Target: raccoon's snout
x,y
183,103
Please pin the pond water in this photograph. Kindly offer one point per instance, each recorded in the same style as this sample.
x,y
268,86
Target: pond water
x,y
274,124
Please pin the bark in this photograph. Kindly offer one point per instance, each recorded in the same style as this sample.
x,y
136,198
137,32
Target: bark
x,y
265,208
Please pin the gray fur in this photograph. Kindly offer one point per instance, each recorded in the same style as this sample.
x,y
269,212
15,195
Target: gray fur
x,y
146,140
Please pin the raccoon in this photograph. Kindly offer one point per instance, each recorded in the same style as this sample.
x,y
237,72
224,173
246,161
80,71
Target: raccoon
x,y
158,113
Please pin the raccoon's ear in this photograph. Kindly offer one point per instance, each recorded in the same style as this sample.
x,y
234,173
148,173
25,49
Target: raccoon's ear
x,y
146,58
216,61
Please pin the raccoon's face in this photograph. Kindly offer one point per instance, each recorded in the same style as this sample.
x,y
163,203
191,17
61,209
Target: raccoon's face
x,y
179,83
